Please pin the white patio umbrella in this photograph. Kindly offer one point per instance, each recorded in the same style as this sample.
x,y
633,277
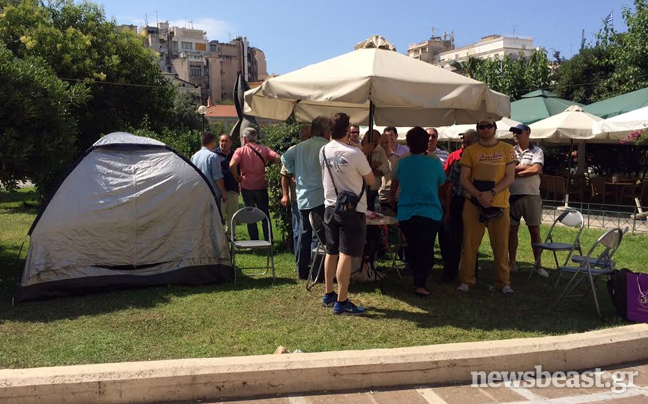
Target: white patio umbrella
x,y
620,126
397,90
451,133
569,125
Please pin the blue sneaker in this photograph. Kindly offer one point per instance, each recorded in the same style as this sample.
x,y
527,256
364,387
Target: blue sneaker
x,y
328,300
348,308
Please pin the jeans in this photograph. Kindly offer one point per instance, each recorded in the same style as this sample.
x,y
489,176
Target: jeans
x,y
257,198
420,233
308,240
296,227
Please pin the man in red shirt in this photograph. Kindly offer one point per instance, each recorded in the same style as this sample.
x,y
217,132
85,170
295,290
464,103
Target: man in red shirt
x,y
252,159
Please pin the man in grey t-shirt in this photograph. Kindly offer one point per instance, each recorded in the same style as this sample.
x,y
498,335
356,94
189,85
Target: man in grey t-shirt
x,y
525,200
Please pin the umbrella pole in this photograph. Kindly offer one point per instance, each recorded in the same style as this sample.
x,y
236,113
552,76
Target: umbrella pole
x,y
371,119
571,149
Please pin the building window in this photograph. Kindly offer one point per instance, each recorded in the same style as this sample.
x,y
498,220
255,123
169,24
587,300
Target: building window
x,y
206,71
523,46
187,45
195,71
213,48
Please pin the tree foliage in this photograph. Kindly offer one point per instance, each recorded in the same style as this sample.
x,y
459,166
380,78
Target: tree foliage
x,y
65,59
511,77
279,138
617,63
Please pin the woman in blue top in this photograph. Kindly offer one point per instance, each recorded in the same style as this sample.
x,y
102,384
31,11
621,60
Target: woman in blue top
x,y
419,209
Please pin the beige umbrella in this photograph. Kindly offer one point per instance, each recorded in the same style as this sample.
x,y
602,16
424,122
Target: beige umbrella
x,y
399,91
451,133
573,124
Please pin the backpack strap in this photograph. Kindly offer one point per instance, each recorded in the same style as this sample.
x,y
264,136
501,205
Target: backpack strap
x,y
333,181
257,153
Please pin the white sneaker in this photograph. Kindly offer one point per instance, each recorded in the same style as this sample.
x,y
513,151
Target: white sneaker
x,y
542,272
464,287
507,290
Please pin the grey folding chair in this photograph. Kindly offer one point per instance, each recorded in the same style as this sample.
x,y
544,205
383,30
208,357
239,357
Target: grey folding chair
x,y
318,252
569,218
593,267
250,215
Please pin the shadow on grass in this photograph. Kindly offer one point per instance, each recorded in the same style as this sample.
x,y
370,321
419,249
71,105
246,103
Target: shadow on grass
x,y
108,302
528,310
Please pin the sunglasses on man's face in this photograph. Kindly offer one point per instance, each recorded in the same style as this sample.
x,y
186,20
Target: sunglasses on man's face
x,y
487,126
355,131
433,137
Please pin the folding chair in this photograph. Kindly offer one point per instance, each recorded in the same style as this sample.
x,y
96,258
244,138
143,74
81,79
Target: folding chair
x,y
610,241
318,252
395,246
570,218
250,215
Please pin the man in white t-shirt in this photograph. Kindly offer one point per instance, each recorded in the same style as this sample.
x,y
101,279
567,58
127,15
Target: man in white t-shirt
x,y
525,200
344,168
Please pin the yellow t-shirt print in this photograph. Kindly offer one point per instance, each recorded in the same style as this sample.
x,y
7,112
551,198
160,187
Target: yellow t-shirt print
x,y
489,164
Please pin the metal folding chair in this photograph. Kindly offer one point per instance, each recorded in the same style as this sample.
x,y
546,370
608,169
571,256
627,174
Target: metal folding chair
x,y
395,246
569,218
250,215
593,267
318,252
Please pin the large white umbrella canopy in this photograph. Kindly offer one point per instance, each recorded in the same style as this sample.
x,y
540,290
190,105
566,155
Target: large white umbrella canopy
x,y
403,90
572,124
452,132
620,126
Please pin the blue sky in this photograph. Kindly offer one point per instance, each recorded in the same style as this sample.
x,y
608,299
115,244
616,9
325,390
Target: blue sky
x,y
294,34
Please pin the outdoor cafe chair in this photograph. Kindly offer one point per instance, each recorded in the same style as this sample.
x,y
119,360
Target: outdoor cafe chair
x,y
592,267
319,252
635,191
249,215
569,218
396,243
598,189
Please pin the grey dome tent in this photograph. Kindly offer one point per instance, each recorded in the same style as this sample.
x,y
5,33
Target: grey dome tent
x,y
132,212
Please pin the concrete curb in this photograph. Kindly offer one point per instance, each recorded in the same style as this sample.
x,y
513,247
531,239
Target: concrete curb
x,y
201,379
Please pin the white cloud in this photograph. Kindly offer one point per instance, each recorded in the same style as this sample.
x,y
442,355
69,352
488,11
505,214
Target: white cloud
x,y
216,29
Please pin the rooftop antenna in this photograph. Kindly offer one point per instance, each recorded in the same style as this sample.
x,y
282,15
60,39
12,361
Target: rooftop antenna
x,y
191,23
146,20
157,23
433,32
514,26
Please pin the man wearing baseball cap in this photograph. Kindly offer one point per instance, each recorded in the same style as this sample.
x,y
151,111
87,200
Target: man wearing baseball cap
x,y
525,198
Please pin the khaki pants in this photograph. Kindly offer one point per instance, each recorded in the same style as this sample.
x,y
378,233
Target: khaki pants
x,y
229,209
498,231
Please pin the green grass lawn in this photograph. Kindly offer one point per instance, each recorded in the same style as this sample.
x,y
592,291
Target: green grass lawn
x,y
256,316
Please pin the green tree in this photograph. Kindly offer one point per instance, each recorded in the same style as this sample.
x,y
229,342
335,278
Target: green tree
x,y
279,138
111,67
537,71
629,50
468,67
37,130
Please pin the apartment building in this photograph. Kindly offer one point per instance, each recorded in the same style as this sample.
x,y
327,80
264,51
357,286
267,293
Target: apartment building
x,y
429,50
492,46
211,65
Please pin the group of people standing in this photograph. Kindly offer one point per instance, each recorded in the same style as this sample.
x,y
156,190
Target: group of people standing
x,y
233,172
455,196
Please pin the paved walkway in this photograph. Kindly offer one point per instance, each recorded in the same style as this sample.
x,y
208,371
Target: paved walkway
x,y
465,394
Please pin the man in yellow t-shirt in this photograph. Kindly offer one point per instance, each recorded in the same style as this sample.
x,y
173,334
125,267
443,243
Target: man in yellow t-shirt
x,y
487,170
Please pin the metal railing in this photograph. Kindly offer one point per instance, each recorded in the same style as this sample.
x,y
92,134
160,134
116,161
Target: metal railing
x,y
600,216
